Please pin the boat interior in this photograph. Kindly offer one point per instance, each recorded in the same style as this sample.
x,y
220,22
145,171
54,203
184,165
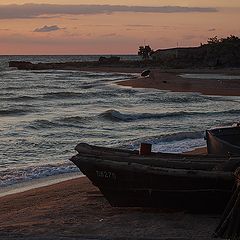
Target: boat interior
x,y
229,135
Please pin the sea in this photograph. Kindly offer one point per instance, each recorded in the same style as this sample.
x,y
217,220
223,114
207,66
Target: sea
x,y
45,114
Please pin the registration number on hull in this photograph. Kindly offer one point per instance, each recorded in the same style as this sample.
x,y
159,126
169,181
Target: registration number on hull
x,y
106,174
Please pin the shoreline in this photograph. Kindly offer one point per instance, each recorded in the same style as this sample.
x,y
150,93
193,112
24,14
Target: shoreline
x,y
55,179
159,78
37,183
175,83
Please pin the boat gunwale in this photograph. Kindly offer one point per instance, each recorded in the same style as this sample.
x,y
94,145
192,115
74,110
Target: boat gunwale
x,y
153,169
154,155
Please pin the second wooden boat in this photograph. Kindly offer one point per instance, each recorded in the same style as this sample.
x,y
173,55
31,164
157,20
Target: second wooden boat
x,y
224,141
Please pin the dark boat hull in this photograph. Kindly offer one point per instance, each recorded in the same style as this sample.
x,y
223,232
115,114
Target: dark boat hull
x,y
127,184
224,141
126,188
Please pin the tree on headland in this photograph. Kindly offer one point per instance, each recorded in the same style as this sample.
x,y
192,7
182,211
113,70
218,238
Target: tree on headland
x,y
216,52
232,40
213,40
223,51
145,51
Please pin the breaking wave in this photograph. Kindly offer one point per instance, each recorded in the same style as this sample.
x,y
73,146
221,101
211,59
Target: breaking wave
x,y
18,175
172,143
178,136
114,115
171,137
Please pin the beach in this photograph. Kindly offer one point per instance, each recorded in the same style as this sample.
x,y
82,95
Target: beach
x,y
179,81
75,209
207,81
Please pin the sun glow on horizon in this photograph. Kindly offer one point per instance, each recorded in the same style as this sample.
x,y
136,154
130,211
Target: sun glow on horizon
x,y
97,29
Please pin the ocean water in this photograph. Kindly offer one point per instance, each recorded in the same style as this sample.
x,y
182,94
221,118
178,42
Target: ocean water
x,y
44,114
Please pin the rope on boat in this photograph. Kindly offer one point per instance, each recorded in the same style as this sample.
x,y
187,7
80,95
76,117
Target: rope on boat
x,y
229,226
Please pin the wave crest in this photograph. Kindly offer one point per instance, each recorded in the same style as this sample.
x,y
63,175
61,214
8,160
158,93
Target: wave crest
x,y
115,115
18,175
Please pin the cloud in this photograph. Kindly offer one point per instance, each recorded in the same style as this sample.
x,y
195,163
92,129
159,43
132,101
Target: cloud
x,y
48,28
15,11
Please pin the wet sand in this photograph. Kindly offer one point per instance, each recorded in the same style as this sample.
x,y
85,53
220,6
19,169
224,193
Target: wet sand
x,y
201,150
171,81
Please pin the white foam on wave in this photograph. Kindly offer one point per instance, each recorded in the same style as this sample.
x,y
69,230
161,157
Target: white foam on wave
x,y
173,143
37,183
118,116
19,175
179,146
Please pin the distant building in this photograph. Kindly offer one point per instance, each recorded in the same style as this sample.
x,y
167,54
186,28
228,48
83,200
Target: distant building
x,y
178,53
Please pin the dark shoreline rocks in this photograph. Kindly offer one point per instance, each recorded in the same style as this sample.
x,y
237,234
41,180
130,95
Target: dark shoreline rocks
x,y
23,65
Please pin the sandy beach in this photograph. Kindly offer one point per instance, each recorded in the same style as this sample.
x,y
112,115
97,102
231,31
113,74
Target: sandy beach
x,y
75,209
172,81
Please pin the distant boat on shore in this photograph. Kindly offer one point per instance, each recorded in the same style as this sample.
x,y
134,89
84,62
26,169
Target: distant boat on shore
x,y
224,141
197,183
145,73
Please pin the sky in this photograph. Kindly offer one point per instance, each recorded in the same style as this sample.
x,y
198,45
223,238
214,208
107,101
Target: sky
x,y
112,26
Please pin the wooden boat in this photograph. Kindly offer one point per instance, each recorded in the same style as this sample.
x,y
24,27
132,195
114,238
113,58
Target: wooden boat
x,y
159,180
224,141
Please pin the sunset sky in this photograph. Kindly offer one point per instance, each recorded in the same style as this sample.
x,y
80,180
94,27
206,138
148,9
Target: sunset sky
x,y
112,26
